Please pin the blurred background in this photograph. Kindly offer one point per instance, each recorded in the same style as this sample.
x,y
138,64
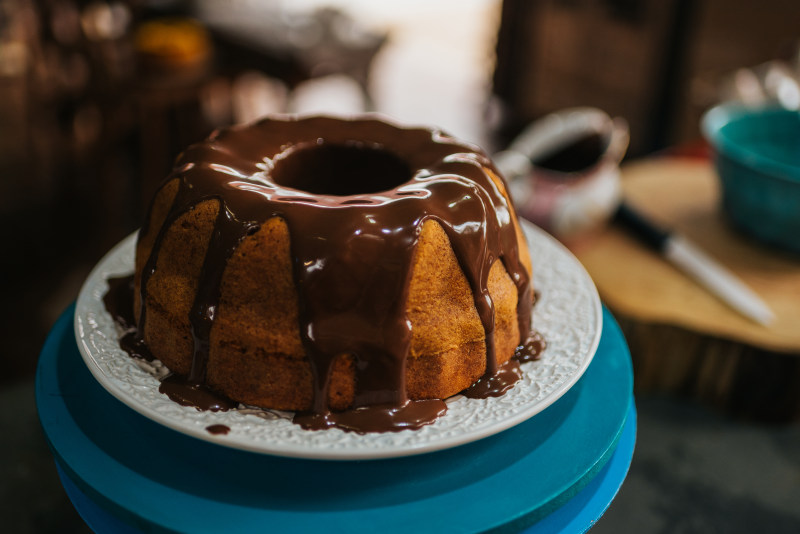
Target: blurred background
x,y
98,97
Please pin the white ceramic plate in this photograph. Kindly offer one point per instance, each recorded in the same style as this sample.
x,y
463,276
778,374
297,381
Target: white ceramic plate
x,y
568,314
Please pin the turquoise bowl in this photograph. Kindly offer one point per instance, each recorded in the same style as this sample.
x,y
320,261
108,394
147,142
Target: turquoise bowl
x,y
757,158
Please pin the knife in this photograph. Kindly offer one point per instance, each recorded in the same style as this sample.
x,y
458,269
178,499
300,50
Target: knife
x,y
697,264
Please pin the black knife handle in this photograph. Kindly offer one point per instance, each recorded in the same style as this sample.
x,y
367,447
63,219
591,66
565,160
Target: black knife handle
x,y
642,228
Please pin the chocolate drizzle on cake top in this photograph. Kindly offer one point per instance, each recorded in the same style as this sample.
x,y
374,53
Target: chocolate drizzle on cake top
x,y
354,195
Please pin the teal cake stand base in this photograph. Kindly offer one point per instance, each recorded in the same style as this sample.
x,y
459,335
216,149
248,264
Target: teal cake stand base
x,y
556,472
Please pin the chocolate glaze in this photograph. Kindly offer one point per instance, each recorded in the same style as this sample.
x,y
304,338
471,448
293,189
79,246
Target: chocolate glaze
x,y
410,415
118,300
531,349
496,384
188,393
218,429
352,252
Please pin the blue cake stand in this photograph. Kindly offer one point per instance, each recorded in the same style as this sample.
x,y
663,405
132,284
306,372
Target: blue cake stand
x,y
556,472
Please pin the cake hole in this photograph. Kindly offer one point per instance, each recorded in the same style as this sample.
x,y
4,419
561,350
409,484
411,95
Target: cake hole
x,y
341,170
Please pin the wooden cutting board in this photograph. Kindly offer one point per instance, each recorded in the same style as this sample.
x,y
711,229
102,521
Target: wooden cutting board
x,y
683,338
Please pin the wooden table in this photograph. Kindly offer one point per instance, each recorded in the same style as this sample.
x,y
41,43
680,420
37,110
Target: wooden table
x,y
683,339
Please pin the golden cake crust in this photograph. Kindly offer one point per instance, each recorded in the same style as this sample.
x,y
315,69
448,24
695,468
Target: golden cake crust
x,y
256,353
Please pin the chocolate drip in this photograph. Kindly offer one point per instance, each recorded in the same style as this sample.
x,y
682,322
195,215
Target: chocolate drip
x,y
118,300
186,392
218,429
496,384
410,415
352,253
531,349
228,233
508,374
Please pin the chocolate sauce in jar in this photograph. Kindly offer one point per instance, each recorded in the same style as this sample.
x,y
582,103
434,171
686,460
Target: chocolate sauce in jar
x,y
347,305
577,156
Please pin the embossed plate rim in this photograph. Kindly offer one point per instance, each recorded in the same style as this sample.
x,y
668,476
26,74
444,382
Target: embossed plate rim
x,y
568,314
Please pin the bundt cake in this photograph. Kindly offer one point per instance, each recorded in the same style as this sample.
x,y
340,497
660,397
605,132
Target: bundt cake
x,y
352,270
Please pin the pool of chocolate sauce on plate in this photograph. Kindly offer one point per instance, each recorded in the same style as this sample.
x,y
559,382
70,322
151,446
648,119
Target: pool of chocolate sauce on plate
x,y
218,430
119,302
